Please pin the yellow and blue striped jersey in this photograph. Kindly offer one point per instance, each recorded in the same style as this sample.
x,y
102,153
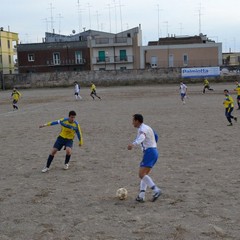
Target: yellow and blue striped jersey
x,y
228,102
69,129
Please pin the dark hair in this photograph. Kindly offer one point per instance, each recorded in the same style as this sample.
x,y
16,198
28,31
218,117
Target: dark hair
x,y
225,90
138,117
72,113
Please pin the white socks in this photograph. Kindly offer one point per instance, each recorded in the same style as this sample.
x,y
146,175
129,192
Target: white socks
x,y
143,188
148,181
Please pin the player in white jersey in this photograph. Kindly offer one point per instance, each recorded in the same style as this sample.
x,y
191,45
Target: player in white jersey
x,y
147,138
183,91
77,91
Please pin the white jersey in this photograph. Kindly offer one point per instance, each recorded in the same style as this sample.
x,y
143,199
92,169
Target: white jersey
x,y
183,88
145,137
77,89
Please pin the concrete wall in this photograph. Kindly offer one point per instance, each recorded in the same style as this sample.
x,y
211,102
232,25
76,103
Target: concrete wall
x,y
101,78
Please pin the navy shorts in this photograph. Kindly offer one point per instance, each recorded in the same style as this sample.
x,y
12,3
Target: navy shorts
x,y
60,142
183,95
150,157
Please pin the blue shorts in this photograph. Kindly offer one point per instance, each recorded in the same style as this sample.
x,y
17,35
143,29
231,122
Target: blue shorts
x,y
150,157
60,142
183,95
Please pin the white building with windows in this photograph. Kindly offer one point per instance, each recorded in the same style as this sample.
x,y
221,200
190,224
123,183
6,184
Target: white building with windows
x,y
181,51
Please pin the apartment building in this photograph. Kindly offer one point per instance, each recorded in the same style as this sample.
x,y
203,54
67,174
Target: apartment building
x,y
53,57
116,51
181,51
89,50
8,52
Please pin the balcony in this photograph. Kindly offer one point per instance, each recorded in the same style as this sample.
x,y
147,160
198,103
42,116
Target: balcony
x,y
66,62
112,60
107,42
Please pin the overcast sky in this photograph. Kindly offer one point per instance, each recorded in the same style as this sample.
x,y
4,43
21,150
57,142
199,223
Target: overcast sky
x,y
219,19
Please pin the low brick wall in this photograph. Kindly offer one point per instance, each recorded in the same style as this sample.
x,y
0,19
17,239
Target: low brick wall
x,y
101,78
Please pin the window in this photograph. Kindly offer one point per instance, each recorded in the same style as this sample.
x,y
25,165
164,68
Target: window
x,y
101,56
154,62
78,57
123,55
9,59
31,57
123,68
185,59
8,42
56,58
170,60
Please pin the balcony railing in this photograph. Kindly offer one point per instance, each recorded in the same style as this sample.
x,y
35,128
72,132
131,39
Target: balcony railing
x,y
121,41
65,62
112,59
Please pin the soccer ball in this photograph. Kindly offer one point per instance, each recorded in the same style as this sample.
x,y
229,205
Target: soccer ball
x,y
122,193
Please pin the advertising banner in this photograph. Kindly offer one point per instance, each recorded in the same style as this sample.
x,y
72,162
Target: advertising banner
x,y
200,72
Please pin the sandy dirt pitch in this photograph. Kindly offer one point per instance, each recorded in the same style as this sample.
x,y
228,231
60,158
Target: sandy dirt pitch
x,y
198,168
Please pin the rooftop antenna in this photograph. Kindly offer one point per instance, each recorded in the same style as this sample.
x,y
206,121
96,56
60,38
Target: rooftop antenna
x,y
166,22
200,18
89,15
26,35
180,28
158,11
51,10
120,11
97,15
115,9
59,22
234,44
79,17
109,15
46,22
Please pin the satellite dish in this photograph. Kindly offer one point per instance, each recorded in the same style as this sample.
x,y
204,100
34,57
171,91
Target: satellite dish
x,y
73,31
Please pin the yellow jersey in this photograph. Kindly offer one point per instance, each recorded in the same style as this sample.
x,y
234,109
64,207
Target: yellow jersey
x,y
228,102
206,82
238,89
69,129
93,88
16,95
